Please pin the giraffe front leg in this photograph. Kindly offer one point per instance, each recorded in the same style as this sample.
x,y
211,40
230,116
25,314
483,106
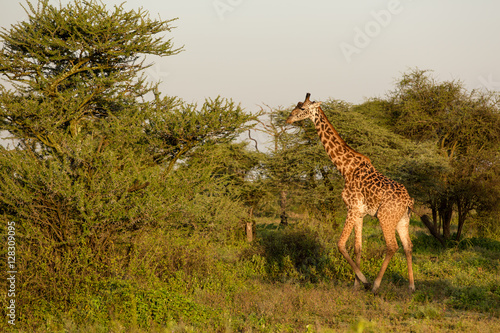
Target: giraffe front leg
x,y
353,219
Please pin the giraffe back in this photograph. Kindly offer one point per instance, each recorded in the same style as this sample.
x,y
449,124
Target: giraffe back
x,y
370,189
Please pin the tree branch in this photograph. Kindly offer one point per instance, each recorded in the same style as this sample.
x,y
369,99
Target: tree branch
x,y
250,137
434,232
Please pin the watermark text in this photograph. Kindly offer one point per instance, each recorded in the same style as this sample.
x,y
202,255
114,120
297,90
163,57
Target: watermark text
x,y
223,7
363,36
11,273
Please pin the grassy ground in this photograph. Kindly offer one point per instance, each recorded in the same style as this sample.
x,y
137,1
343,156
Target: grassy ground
x,y
290,280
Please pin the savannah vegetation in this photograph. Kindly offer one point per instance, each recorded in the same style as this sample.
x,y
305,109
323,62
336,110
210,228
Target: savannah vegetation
x,y
134,210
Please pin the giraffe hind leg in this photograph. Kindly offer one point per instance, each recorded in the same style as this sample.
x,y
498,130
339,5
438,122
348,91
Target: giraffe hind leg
x,y
388,222
358,239
404,235
392,247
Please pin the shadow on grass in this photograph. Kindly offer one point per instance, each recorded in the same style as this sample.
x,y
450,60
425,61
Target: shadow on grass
x,y
479,243
291,254
299,253
425,241
426,244
484,299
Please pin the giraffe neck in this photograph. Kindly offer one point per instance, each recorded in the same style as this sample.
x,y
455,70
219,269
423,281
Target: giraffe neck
x,y
343,157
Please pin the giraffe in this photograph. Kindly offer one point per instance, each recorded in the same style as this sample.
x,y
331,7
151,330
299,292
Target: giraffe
x,y
366,191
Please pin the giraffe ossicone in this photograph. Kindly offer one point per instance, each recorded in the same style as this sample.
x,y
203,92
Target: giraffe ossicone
x,y
366,192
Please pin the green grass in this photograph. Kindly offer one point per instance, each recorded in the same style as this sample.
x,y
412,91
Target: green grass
x,y
291,279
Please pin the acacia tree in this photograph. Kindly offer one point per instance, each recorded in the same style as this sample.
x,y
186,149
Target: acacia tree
x,y
278,164
81,181
74,65
464,125
74,108
175,128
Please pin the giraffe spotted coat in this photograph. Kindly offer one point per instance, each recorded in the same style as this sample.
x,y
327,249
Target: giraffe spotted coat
x,y
366,191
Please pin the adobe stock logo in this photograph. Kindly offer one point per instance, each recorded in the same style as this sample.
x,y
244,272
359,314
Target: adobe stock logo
x,y
489,83
156,72
225,6
363,36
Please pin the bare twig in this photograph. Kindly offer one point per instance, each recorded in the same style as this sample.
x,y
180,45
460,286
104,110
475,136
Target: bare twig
x,y
250,137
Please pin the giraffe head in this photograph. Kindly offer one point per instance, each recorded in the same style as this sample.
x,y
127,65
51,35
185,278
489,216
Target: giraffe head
x,y
303,110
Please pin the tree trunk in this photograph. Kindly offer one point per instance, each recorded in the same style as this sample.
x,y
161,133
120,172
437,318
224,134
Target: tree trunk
x,y
460,227
445,214
463,207
284,218
250,226
250,230
432,228
435,218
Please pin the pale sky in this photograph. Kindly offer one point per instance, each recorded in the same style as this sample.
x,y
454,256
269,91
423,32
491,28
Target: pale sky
x,y
274,51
